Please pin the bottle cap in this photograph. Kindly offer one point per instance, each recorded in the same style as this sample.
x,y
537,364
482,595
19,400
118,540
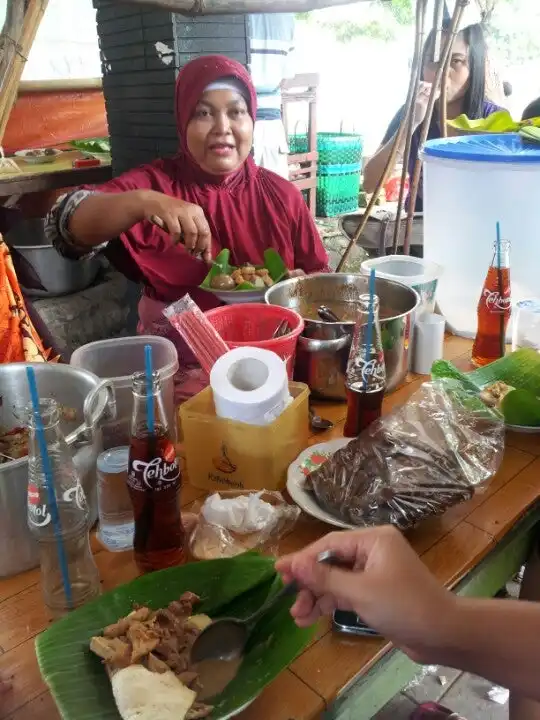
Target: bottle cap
x,y
113,461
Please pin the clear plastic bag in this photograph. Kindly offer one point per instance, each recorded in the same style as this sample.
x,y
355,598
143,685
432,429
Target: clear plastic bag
x,y
231,522
424,457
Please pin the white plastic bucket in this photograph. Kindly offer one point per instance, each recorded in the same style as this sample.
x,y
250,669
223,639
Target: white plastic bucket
x,y
470,184
117,360
417,273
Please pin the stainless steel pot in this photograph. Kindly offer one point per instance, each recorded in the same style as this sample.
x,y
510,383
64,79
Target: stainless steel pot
x,y
323,348
74,388
57,275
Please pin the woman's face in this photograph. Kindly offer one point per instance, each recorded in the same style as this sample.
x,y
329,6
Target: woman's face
x,y
458,75
220,133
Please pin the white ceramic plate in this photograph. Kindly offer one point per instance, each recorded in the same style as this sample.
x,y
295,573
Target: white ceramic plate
x,y
37,159
238,297
296,477
102,157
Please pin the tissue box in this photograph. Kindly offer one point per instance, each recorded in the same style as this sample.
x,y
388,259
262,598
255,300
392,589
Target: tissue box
x,y
227,455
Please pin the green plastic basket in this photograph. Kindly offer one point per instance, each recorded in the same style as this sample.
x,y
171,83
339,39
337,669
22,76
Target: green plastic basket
x,y
333,148
338,187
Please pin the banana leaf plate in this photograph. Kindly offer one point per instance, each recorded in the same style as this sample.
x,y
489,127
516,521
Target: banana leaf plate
x,y
232,587
246,292
520,370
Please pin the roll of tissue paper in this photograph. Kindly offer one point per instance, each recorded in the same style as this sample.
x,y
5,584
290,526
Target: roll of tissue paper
x,y
250,385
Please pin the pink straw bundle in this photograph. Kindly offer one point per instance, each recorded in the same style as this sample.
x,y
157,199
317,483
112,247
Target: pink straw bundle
x,y
197,331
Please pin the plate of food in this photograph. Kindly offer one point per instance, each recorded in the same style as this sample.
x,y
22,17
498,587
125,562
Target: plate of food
x,y
309,460
38,156
98,148
126,654
245,284
511,385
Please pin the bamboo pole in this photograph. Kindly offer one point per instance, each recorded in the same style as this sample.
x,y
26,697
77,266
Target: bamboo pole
x,y
419,47
69,85
9,40
231,7
34,13
413,194
420,19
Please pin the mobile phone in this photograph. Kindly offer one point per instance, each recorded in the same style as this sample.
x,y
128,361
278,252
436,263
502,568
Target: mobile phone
x,y
349,622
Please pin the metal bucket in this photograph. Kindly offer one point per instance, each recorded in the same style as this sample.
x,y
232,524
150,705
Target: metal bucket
x,y
323,348
73,388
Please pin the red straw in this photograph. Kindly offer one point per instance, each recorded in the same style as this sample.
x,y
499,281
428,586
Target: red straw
x,y
199,334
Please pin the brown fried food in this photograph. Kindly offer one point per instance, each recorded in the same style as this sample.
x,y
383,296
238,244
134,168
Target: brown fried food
x,y
188,677
144,640
154,664
237,277
113,651
121,627
247,270
198,711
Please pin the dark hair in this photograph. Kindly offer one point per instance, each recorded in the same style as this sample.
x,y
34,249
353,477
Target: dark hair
x,y
473,37
532,110
507,88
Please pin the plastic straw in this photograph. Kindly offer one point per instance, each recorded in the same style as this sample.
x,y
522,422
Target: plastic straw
x,y
49,485
369,332
149,371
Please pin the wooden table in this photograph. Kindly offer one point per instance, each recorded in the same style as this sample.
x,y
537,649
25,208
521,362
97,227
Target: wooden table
x,y
51,176
475,548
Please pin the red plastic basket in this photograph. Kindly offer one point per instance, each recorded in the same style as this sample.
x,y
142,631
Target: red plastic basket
x,y
253,324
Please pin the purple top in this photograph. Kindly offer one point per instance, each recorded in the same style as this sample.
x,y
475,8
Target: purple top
x,y
434,133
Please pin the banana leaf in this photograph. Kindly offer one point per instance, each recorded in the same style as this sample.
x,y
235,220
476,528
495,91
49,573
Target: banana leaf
x,y
221,266
232,587
498,122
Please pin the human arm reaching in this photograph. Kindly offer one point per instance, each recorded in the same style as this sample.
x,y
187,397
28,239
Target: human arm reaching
x,y
390,588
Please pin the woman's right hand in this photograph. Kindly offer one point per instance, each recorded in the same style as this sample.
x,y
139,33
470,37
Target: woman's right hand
x,y
421,103
184,221
388,586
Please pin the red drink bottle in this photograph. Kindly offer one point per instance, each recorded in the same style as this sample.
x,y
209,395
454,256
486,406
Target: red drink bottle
x,y
366,372
154,484
494,308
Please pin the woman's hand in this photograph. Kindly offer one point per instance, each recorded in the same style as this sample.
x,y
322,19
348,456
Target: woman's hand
x,y
184,221
296,273
421,103
388,586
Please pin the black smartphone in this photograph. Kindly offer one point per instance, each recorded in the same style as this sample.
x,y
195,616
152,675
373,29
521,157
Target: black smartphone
x,y
349,622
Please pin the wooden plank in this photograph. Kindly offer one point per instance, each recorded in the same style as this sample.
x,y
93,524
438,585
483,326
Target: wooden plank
x,y
36,86
286,698
218,7
19,666
42,707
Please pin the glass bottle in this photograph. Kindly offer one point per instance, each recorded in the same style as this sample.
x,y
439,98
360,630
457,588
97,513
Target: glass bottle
x,y
365,380
494,308
69,576
154,483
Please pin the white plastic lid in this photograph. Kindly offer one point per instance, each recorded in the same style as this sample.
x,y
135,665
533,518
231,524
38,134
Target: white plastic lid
x,y
113,461
532,305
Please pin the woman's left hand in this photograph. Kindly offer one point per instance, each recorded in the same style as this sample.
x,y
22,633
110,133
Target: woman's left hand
x,y
296,273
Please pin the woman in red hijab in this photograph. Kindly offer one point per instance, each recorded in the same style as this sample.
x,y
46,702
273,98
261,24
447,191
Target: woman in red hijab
x,y
211,193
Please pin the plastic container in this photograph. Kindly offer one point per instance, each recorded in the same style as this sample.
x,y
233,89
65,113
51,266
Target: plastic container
x,y
333,148
227,455
470,183
246,325
117,360
417,273
338,189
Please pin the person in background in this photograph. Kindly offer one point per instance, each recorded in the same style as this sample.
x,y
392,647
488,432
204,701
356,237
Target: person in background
x,y
162,223
271,47
532,110
466,94
391,589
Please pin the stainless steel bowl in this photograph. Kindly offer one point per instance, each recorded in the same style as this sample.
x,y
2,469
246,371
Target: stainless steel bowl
x,y
74,388
323,348
57,275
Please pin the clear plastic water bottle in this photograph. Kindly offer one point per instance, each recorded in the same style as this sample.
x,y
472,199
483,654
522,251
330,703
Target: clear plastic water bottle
x,y
116,522
72,525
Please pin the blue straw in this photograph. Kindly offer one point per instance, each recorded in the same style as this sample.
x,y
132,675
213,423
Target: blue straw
x,y
149,389
369,333
499,244
49,485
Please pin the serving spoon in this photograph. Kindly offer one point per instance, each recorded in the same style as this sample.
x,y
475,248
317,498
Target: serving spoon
x,y
326,314
226,639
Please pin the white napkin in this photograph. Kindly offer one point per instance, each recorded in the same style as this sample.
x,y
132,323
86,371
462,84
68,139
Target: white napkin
x,y
243,515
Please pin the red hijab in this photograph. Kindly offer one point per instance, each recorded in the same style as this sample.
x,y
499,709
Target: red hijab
x,y
248,210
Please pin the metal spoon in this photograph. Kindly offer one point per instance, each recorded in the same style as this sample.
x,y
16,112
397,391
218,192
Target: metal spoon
x,y
326,314
158,222
226,639
318,422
